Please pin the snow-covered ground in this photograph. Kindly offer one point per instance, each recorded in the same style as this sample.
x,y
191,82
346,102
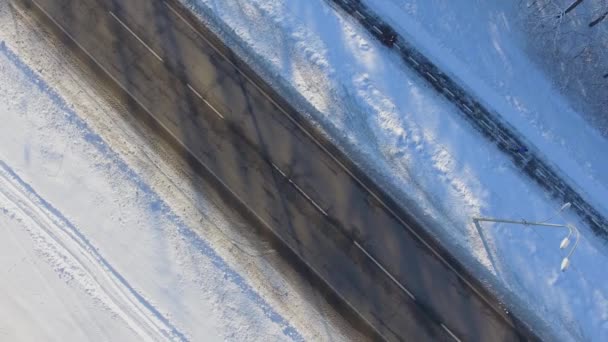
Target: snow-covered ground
x,y
415,143
105,236
571,48
483,44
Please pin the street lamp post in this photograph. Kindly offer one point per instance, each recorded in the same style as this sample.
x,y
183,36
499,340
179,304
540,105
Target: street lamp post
x,y
565,242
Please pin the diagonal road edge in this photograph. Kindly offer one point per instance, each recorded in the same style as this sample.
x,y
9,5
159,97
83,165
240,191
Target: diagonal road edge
x,y
488,122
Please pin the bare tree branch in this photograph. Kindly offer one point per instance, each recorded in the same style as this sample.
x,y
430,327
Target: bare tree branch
x,y
598,20
573,6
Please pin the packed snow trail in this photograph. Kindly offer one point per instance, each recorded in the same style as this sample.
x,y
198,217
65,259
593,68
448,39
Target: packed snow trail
x,y
77,261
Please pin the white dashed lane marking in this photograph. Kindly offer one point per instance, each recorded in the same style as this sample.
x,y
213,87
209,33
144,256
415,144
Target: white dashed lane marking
x,y
136,36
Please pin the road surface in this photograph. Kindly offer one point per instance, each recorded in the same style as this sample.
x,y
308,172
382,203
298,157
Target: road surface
x,y
236,130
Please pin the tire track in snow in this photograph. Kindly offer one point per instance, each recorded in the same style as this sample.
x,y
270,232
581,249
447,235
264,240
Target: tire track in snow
x,y
75,259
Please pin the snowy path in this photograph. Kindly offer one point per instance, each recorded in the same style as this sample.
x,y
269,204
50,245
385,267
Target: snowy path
x,y
77,261
55,295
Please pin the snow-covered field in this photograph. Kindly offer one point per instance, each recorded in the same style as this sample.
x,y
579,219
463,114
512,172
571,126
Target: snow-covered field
x,y
571,47
105,236
488,55
415,143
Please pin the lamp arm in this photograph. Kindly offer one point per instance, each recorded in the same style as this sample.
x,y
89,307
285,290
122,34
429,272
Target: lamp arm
x,y
578,236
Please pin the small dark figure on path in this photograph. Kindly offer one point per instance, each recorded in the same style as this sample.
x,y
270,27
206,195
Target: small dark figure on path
x,y
389,39
519,149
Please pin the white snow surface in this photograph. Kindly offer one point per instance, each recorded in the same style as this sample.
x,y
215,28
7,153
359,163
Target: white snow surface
x,y
105,236
482,44
417,146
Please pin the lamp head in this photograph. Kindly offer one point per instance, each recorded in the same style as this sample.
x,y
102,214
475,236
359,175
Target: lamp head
x,y
566,205
565,243
565,264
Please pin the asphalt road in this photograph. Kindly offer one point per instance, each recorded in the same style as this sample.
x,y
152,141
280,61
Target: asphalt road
x,y
259,150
